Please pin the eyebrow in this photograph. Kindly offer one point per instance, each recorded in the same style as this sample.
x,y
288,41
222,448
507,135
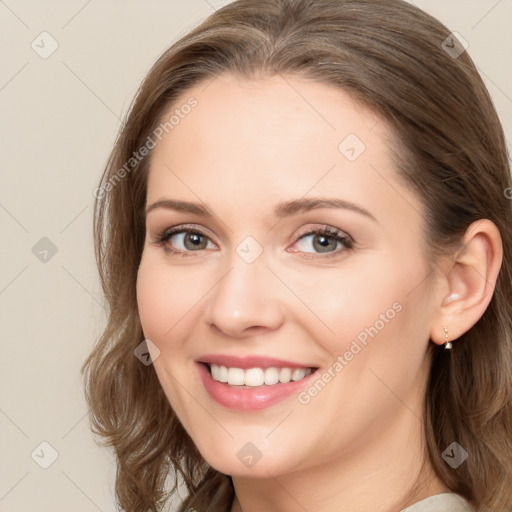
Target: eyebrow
x,y
281,210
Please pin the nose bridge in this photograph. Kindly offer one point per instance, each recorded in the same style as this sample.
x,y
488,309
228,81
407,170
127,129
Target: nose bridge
x,y
244,297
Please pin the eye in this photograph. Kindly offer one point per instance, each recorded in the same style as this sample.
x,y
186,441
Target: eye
x,y
182,240
185,241
324,240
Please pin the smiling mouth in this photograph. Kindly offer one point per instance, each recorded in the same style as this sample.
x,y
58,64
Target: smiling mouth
x,y
256,377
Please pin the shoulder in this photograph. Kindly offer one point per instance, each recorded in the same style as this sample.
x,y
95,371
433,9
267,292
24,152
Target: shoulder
x,y
446,502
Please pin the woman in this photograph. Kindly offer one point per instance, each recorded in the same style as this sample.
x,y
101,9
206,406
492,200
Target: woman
x,y
304,226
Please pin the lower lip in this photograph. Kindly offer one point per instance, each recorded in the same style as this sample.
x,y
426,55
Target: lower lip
x,y
249,399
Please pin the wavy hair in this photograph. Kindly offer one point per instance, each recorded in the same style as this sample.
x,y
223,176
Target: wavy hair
x,y
395,59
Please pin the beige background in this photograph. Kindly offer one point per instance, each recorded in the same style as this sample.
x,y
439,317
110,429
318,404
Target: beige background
x,y
60,116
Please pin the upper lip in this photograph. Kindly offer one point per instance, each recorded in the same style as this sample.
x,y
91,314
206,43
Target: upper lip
x,y
246,362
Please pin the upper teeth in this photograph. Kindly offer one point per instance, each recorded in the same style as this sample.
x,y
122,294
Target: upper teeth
x,y
257,376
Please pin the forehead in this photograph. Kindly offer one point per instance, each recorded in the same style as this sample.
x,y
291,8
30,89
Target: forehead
x,y
263,107
273,138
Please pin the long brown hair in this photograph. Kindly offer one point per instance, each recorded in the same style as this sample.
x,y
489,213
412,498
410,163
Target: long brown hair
x,y
394,58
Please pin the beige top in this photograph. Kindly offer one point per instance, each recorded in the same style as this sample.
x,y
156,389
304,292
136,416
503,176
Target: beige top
x,y
446,502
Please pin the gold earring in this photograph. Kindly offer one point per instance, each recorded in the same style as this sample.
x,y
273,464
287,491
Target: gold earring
x,y
448,344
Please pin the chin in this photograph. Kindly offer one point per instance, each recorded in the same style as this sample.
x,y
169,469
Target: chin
x,y
249,459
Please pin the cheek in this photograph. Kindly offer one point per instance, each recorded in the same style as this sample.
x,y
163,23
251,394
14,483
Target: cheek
x,y
374,296
165,304
163,299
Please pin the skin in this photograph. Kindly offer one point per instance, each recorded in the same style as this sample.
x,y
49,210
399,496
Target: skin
x,y
248,145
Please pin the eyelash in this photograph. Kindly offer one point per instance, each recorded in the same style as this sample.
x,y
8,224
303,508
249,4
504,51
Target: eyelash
x,y
163,236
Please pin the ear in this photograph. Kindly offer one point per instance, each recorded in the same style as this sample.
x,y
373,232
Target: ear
x,y
469,281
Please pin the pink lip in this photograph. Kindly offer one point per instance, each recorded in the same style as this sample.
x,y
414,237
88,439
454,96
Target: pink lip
x,y
247,362
249,399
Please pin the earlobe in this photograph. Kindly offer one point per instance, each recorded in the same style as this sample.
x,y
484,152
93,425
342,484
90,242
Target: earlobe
x,y
471,278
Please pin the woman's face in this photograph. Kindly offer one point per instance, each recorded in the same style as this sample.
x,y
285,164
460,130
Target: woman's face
x,y
256,289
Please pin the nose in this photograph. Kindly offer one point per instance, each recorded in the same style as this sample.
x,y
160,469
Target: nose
x,y
246,301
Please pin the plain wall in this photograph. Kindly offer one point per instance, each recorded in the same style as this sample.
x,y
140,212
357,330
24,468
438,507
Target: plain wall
x,y
59,118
